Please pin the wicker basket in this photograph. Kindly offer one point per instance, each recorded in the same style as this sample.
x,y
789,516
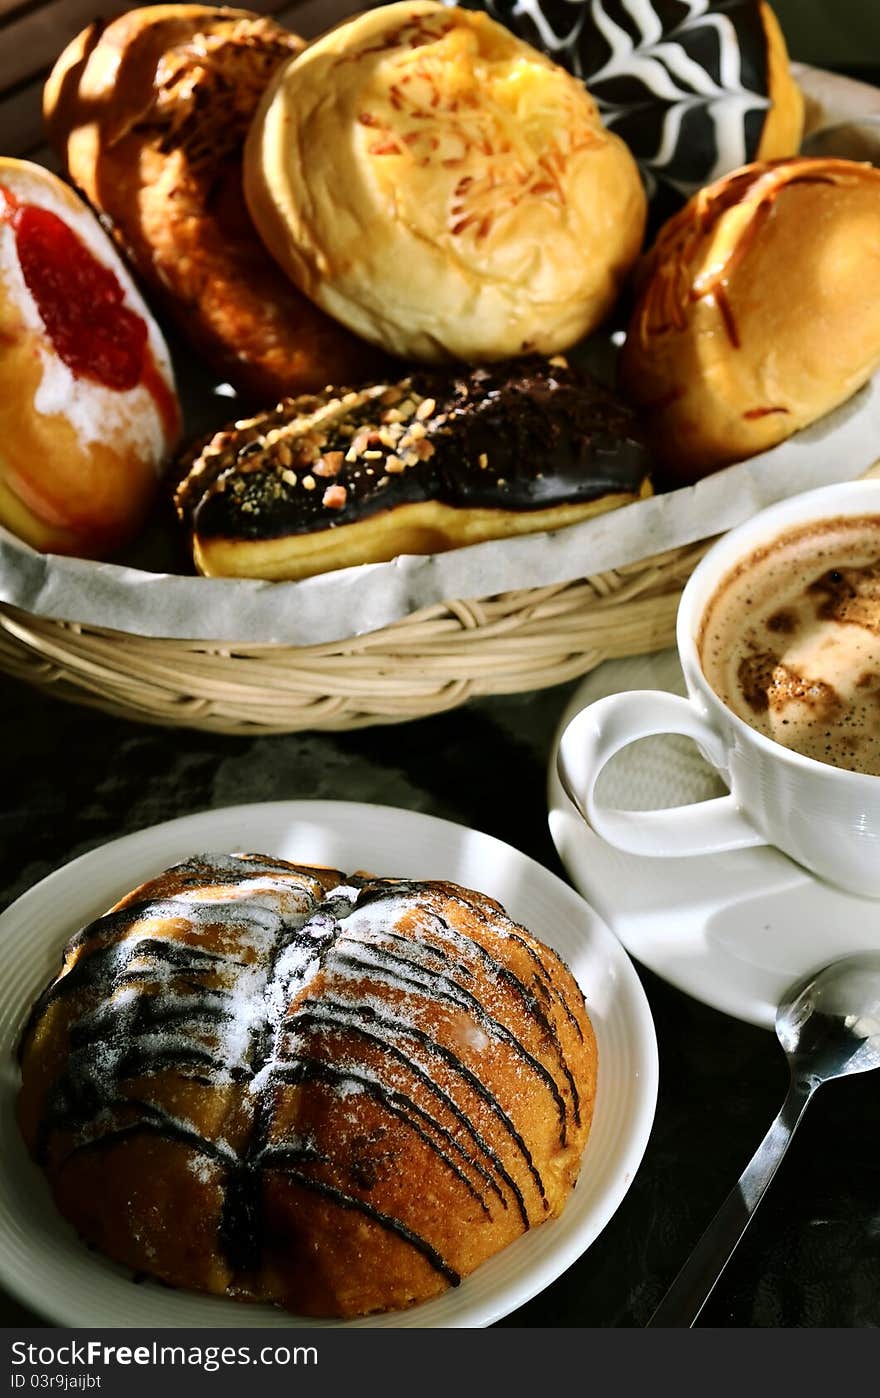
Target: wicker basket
x,y
433,660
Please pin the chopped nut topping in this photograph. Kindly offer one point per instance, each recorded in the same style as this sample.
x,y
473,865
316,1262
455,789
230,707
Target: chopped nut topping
x,y
394,465
289,477
329,465
309,482
483,460
372,456
425,408
334,497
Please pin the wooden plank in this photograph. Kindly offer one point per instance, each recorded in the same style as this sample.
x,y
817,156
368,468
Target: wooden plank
x,y
21,122
30,44
7,6
312,17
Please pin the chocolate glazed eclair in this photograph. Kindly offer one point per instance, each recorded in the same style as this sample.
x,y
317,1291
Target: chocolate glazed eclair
x,y
432,462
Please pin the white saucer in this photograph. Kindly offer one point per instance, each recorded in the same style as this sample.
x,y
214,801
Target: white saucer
x,y
734,930
41,1259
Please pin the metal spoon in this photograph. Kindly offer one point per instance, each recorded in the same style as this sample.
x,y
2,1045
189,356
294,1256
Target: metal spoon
x,y
829,1027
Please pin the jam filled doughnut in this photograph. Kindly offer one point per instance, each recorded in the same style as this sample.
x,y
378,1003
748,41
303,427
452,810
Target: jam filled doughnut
x,y
432,462
442,188
696,88
149,116
88,410
758,311
273,1082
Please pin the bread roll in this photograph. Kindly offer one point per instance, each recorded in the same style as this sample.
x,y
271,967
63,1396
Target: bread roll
x,y
149,115
342,1095
430,463
758,311
442,188
88,410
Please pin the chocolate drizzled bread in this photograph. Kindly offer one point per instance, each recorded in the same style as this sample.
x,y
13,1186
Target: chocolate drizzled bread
x,y
432,462
339,1094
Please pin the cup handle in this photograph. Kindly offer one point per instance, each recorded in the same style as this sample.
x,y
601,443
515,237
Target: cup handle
x,y
599,731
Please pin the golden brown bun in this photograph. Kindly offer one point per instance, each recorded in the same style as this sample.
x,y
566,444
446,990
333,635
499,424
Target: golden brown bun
x,y
442,188
260,1079
784,124
433,462
88,410
149,116
758,311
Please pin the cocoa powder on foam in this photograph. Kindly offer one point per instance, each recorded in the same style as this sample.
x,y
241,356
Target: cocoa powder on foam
x,y
790,641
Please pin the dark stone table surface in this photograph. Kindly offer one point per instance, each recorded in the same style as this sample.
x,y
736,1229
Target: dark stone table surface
x,y
74,779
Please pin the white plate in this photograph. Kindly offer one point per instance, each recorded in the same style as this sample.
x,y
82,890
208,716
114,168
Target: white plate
x,y
43,1262
733,930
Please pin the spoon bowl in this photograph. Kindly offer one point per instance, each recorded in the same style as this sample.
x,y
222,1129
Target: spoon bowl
x,y
829,1025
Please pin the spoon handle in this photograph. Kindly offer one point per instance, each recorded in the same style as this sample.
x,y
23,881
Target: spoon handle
x,y
695,1282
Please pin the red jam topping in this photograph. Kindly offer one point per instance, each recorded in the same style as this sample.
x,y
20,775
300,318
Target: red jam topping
x,y
79,300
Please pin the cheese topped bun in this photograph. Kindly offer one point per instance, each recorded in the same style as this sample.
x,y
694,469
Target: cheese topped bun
x,y
88,409
442,188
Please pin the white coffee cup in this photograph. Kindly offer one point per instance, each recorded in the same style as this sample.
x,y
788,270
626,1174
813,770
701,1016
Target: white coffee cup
x,y
826,818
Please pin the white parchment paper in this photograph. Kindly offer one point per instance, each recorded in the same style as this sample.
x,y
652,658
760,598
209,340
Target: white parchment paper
x,y
354,601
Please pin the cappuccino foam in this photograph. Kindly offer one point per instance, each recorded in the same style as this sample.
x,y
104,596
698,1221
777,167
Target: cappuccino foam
x,y
791,642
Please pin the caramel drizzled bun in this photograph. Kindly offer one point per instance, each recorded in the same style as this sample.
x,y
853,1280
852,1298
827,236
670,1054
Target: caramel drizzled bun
x,y
149,115
442,188
264,1080
758,311
427,464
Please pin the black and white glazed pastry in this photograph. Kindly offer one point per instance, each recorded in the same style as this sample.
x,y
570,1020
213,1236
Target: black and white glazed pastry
x,y
696,88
